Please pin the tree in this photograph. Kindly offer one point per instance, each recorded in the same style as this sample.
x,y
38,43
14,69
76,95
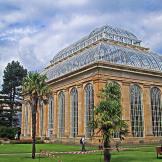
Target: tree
x,y
108,116
35,87
12,80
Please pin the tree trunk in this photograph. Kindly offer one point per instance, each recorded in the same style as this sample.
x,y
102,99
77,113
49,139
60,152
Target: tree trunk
x,y
34,108
107,154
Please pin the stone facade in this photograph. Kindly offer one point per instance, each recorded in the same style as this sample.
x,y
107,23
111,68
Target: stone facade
x,y
95,74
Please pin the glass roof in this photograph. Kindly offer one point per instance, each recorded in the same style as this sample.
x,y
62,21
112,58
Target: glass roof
x,y
111,53
116,31
104,32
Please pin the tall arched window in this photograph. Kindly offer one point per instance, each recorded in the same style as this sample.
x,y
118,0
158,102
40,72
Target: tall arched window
x,y
51,113
41,118
61,115
74,112
156,111
136,111
89,108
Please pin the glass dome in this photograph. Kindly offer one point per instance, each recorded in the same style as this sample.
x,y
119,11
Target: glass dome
x,y
112,30
104,32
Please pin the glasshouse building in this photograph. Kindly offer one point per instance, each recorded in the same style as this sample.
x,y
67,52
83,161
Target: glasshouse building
x,y
77,74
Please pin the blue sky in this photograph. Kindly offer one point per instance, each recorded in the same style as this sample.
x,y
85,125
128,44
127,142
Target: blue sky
x,y
33,31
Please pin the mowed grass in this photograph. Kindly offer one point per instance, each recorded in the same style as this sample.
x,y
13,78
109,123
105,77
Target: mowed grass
x,y
134,154
26,148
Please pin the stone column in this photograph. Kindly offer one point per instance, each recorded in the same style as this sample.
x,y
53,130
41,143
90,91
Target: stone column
x,y
125,103
81,110
26,120
23,120
29,121
97,86
37,122
43,129
46,120
147,117
55,114
67,113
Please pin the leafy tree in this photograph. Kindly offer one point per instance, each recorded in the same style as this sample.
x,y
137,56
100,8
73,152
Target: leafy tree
x,y
12,80
35,87
108,116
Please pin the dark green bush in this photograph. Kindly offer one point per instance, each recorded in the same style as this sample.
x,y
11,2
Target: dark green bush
x,y
25,141
7,132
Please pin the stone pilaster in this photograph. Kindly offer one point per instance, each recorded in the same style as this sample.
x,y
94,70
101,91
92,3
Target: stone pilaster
x,y
81,109
97,86
23,120
37,122
67,113
29,121
147,110
125,103
46,119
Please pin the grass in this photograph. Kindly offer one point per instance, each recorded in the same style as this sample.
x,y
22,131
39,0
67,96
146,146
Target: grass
x,y
26,148
138,154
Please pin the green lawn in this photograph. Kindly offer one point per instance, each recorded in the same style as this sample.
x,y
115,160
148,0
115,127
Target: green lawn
x,y
134,154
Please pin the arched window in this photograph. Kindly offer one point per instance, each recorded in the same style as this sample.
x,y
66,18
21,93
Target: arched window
x,y
41,118
74,112
156,111
89,108
136,111
61,115
51,113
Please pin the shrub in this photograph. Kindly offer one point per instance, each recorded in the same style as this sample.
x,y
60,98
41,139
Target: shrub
x,y
7,132
25,141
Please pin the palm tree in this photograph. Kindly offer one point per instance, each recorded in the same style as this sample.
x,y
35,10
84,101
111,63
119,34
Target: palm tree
x,y
36,89
108,116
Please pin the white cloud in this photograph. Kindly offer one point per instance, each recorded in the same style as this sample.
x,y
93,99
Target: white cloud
x,y
71,2
64,22
7,55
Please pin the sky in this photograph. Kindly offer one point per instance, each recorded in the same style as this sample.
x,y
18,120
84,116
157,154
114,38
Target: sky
x,y
34,31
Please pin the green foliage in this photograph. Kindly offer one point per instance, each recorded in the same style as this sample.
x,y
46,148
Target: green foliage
x,y
5,117
108,116
13,77
25,141
35,86
7,132
11,91
135,153
108,112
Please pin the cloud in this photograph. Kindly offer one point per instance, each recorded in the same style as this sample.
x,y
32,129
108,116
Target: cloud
x,y
32,32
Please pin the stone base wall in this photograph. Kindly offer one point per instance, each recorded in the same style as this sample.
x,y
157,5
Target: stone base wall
x,y
95,141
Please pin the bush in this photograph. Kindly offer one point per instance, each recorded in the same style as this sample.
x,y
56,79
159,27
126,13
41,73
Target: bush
x,y
7,132
25,141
